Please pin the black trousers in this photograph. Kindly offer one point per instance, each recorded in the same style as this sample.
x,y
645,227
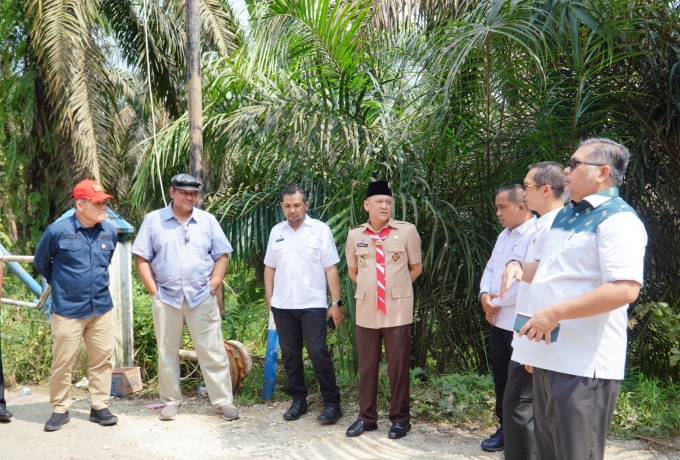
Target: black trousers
x,y
500,342
307,324
518,414
572,415
3,403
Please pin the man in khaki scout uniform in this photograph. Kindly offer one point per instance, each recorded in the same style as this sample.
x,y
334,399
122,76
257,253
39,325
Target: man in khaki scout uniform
x,y
383,258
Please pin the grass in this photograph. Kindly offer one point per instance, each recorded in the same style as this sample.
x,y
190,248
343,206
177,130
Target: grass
x,y
647,407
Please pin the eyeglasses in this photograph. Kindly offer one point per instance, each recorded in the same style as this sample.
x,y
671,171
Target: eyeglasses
x,y
524,186
573,163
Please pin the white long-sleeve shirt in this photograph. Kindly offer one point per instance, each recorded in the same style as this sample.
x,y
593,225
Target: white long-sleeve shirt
x,y
511,244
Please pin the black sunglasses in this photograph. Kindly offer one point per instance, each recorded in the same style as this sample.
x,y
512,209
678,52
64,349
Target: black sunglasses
x,y
573,163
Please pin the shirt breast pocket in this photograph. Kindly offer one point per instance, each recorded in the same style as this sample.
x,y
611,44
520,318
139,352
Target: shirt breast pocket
x,y
519,250
396,255
362,255
105,252
313,246
71,251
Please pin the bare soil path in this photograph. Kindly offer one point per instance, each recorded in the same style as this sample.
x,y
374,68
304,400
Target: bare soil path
x,y
261,432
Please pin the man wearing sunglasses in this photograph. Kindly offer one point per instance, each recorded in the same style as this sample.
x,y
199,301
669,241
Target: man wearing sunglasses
x,y
590,270
74,256
181,256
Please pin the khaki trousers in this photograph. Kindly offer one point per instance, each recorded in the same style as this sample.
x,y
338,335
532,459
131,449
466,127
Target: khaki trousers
x,y
97,333
205,329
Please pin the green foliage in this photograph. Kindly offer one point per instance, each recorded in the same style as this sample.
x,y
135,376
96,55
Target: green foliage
x,y
447,109
146,350
245,311
454,397
661,323
647,406
26,345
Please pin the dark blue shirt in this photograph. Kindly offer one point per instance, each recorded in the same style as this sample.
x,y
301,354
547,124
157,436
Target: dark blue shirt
x,y
75,262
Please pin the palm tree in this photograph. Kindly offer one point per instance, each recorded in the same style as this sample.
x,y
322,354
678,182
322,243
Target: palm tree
x,y
84,64
447,103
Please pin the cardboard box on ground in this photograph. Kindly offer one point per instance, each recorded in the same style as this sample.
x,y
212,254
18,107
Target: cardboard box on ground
x,y
125,380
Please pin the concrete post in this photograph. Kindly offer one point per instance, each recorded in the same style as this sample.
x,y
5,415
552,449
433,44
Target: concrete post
x,y
120,273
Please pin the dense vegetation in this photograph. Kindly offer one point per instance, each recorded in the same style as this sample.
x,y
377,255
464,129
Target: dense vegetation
x,y
446,99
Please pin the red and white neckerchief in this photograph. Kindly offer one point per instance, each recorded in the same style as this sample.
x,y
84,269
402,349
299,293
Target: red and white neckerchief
x,y
380,264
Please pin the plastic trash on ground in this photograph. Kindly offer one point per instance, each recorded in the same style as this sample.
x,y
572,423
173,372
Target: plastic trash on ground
x,y
25,391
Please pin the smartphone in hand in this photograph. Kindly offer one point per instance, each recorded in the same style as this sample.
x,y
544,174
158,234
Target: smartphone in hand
x,y
522,318
330,322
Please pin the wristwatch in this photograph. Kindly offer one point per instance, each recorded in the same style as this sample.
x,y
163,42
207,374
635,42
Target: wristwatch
x,y
515,260
213,292
337,303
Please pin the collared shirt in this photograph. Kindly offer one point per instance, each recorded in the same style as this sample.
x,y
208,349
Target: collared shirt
x,y
511,244
75,261
300,259
533,254
182,257
402,248
596,241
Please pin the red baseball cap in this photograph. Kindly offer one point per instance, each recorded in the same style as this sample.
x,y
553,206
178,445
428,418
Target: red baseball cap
x,y
89,190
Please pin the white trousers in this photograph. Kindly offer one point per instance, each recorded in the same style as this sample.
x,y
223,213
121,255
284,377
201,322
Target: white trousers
x,y
205,329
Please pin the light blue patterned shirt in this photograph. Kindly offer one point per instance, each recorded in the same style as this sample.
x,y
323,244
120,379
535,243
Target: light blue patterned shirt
x,y
182,257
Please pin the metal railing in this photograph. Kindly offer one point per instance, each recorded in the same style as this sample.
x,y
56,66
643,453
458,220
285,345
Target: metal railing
x,y
40,290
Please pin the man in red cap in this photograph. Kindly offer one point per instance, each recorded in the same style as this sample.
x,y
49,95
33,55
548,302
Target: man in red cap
x,y
74,256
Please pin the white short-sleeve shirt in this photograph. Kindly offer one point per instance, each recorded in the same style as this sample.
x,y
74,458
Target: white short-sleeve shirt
x,y
511,244
597,241
521,345
300,259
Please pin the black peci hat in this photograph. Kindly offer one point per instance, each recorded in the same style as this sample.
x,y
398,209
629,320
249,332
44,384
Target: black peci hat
x,y
185,182
379,187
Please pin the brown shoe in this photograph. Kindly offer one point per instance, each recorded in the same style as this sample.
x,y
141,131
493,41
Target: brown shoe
x,y
169,412
229,412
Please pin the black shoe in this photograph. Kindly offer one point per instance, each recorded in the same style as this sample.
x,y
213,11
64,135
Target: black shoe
x,y
103,416
56,421
4,413
494,443
399,430
297,409
357,428
330,415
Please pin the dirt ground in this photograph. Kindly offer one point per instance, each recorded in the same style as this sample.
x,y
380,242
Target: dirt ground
x,y
261,432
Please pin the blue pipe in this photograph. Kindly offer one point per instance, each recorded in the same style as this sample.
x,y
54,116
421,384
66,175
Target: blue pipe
x,y
270,359
47,306
23,274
